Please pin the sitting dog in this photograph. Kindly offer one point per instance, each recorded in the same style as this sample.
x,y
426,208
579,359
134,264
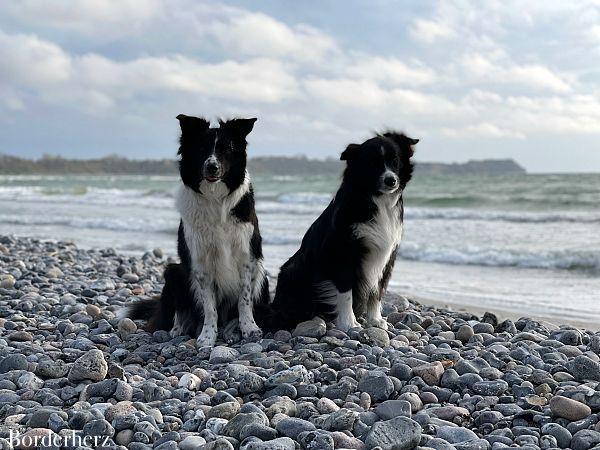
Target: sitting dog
x,y
346,257
221,273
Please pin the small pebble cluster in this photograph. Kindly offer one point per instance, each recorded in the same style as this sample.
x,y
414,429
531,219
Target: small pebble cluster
x,y
437,379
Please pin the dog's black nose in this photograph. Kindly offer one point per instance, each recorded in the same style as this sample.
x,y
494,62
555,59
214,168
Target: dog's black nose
x,y
212,167
390,181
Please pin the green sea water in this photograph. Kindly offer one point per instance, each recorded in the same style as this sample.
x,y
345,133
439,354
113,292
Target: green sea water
x,y
522,242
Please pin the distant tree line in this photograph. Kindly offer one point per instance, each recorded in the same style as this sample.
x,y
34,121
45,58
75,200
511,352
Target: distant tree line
x,y
280,165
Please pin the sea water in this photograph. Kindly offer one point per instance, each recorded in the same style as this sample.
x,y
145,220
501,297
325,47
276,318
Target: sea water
x,y
526,244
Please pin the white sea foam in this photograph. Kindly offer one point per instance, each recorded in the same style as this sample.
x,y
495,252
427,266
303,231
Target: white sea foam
x,y
141,224
87,196
505,216
305,197
564,260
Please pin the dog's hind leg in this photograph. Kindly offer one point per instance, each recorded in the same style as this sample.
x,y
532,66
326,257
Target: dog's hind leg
x,y
177,329
176,303
374,317
231,331
248,326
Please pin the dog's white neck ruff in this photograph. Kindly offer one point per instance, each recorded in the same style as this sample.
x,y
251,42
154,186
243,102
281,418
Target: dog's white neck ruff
x,y
382,234
219,244
214,201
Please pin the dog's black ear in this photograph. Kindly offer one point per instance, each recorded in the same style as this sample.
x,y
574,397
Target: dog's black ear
x,y
191,123
239,127
402,141
349,152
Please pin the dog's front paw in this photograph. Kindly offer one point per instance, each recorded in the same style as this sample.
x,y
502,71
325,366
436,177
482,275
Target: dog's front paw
x,y
251,333
345,325
206,340
378,323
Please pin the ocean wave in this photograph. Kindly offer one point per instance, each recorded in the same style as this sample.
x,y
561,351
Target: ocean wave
x,y
274,207
503,216
302,203
503,199
94,223
440,200
282,240
586,261
88,195
305,198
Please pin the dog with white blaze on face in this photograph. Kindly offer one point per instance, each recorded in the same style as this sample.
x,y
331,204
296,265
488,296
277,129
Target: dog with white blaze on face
x,y
346,257
221,273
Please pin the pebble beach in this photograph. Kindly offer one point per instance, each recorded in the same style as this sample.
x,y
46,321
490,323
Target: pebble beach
x,y
437,378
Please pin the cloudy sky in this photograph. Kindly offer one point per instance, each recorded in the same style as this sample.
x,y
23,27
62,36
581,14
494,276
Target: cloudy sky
x,y
492,79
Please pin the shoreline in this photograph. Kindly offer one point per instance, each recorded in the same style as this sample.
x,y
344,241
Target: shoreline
x,y
456,305
437,378
504,314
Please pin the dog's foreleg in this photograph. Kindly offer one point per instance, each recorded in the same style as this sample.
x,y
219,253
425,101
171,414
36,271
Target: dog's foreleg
x,y
205,299
345,318
374,317
248,326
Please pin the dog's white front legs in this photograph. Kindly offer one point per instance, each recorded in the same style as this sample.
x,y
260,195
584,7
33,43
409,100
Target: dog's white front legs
x,y
205,298
248,326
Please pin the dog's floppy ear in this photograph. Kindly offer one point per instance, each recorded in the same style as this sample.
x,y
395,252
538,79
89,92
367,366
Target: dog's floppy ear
x,y
402,141
349,152
239,127
191,123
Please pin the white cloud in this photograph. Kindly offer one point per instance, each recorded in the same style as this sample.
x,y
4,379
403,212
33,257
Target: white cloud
x,y
256,34
465,69
502,70
257,80
484,129
346,92
199,25
87,17
574,114
31,61
94,81
430,31
592,35
367,95
391,71
536,76
9,101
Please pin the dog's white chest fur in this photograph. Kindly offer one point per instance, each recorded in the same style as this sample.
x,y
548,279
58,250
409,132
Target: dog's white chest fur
x,y
381,236
219,244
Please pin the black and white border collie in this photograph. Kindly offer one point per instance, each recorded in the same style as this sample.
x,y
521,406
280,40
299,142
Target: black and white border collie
x,y
221,272
346,257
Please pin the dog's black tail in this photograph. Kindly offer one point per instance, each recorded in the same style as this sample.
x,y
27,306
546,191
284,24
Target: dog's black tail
x,y
143,309
155,311
159,311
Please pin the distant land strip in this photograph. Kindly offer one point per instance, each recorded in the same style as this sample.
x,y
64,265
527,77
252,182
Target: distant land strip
x,y
277,165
